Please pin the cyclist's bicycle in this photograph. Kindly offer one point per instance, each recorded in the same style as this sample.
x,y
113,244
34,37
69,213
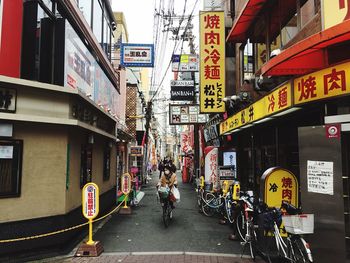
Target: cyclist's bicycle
x,y
292,248
164,196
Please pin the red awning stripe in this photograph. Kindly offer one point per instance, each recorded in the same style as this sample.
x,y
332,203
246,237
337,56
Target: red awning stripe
x,y
245,19
307,55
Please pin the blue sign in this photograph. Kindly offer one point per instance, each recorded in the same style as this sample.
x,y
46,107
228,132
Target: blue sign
x,y
137,55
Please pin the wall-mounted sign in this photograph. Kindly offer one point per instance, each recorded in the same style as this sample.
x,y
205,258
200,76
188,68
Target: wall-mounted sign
x,y
320,177
182,93
333,130
278,100
227,174
8,99
137,55
136,151
6,151
90,200
183,63
210,133
83,72
229,159
182,83
212,63
330,82
184,114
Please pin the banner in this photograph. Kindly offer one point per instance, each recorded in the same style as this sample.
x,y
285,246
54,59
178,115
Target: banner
x,y
212,62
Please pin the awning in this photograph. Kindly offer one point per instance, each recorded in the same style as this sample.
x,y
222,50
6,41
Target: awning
x,y
238,32
307,55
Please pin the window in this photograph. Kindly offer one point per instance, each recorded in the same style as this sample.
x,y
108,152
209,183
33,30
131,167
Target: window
x,y
10,167
97,21
85,164
85,7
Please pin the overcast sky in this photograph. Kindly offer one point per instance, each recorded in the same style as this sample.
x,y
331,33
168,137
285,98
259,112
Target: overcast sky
x,y
139,18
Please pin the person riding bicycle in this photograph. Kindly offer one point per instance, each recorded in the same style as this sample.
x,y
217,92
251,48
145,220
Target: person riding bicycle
x,y
169,179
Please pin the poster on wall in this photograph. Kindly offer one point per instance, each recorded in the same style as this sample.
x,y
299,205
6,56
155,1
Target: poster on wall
x,y
320,177
229,159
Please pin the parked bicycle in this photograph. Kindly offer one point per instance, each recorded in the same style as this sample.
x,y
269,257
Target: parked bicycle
x,y
245,213
293,248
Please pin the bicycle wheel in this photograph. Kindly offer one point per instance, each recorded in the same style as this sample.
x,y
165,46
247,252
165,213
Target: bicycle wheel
x,y
208,204
166,214
300,250
253,241
229,210
199,198
241,226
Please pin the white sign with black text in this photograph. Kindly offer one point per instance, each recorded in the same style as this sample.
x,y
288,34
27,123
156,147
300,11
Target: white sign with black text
x,y
320,177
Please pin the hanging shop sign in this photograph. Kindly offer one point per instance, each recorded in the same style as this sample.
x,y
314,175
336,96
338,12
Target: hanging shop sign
x,y
184,114
182,83
185,142
320,177
330,82
212,63
277,185
126,183
136,151
334,12
90,200
8,100
185,63
278,100
137,55
182,93
227,174
210,133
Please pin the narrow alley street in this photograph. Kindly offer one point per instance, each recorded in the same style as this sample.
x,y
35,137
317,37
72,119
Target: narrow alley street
x,y
142,237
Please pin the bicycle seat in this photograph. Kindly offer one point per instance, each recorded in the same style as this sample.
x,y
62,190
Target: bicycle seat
x,y
290,209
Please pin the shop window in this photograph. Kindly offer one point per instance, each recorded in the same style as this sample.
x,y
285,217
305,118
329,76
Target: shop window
x,y
107,163
85,7
10,167
97,21
85,164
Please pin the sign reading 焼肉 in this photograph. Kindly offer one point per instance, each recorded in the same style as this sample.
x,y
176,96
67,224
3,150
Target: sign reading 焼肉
x,y
320,177
212,61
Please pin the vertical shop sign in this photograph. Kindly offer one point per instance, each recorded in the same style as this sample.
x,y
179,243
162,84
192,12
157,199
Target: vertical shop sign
x,y
320,177
211,167
212,62
334,12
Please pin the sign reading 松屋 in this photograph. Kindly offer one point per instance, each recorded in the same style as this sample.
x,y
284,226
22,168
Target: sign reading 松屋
x,y
212,62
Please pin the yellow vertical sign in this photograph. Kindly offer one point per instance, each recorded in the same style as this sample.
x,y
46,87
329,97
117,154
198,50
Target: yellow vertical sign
x,y
212,61
334,12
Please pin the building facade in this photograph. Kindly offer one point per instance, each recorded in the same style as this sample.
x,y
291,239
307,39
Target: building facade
x,y
59,118
291,107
